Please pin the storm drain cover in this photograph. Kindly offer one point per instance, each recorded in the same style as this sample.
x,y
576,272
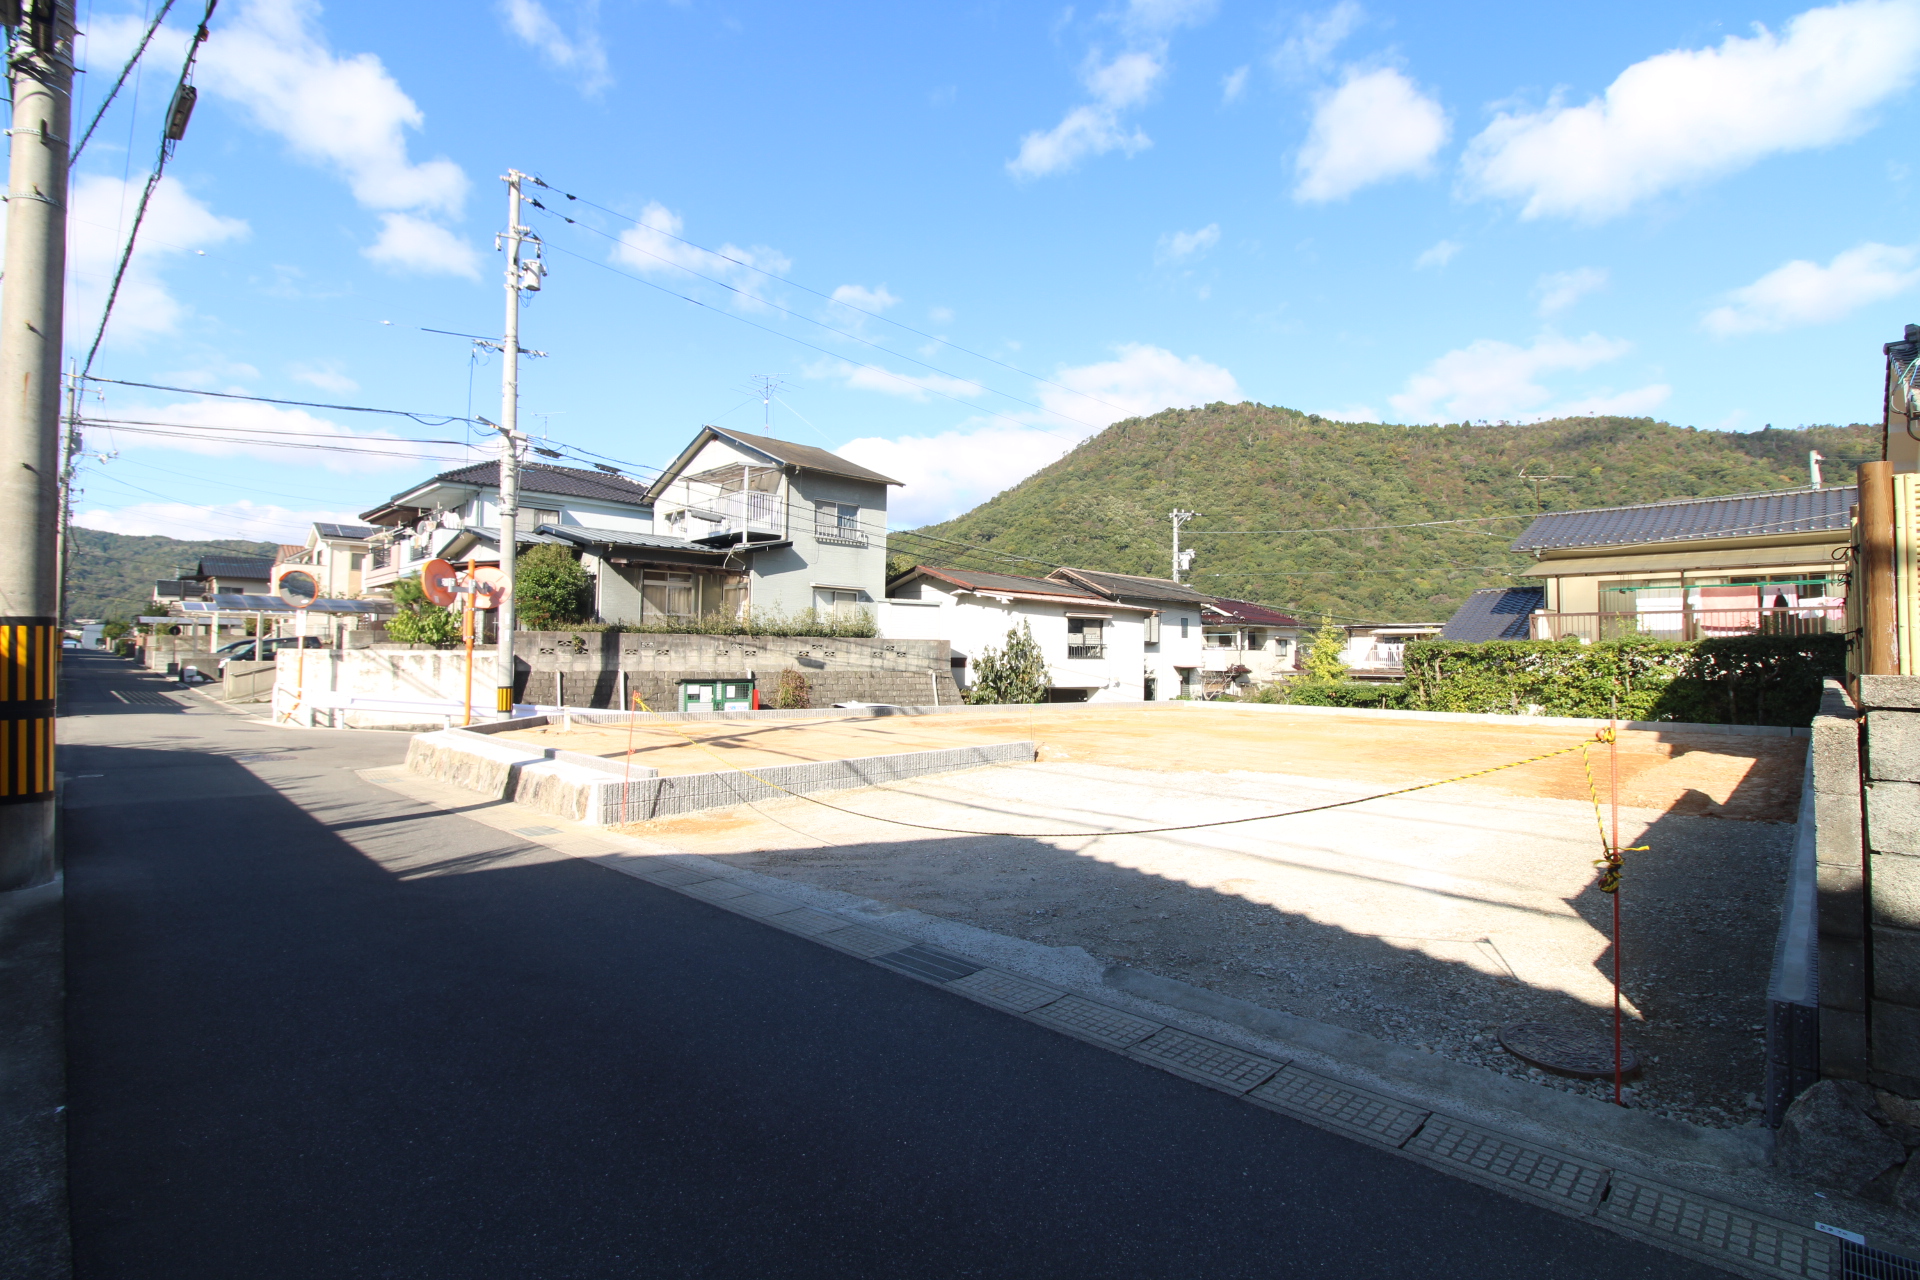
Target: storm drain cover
x,y
536,831
1573,1053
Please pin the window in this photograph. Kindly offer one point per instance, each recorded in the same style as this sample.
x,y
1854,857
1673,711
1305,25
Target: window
x,y
665,595
1183,627
357,561
733,596
837,520
1220,640
1086,637
831,603
527,519
1152,632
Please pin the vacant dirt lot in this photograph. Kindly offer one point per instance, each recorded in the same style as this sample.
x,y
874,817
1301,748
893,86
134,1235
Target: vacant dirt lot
x,y
1723,775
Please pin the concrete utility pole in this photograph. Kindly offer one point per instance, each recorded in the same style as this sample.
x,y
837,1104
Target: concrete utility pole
x,y
1179,518
520,276
40,67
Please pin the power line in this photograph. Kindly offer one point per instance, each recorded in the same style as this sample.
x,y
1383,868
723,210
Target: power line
x,y
844,333
1368,528
931,337
179,107
125,71
832,355
440,419
117,426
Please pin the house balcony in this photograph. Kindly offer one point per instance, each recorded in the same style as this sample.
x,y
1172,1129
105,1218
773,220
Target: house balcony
x,y
1086,651
1215,661
1826,615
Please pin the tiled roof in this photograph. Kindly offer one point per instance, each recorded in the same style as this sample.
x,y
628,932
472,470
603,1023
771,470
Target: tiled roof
x,y
583,534
1740,515
805,456
348,532
990,582
1495,613
1128,586
1247,611
235,567
563,482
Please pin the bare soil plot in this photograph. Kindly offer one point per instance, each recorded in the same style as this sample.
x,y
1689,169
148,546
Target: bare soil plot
x,y
1725,775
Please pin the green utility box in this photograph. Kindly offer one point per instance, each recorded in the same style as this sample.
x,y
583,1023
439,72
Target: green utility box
x,y
716,695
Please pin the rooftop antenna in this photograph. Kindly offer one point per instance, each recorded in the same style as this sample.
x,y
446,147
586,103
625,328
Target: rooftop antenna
x,y
767,385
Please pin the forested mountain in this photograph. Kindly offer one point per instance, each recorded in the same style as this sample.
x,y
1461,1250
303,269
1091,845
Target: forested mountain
x,y
1247,467
112,574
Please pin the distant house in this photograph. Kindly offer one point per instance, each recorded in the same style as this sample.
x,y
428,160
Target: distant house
x,y
337,554
1175,645
1495,613
1693,567
217,575
1376,650
1246,644
798,527
1095,647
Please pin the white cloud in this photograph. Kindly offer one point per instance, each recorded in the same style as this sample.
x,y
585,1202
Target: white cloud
x,y
866,299
580,54
176,225
940,315
913,386
948,473
413,244
1125,80
1689,115
1491,379
325,375
225,427
346,113
1561,289
649,247
255,522
1233,84
1178,246
1801,293
1316,36
1437,256
1377,125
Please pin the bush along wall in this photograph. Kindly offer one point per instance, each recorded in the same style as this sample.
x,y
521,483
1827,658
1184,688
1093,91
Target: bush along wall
x,y
1730,680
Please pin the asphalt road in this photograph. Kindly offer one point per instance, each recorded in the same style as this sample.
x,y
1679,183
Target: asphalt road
x,y
318,1030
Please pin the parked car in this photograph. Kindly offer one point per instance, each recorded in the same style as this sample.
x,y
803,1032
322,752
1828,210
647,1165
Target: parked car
x,y
242,650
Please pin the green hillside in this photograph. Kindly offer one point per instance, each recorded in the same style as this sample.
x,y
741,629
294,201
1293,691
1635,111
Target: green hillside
x,y
1257,467
112,574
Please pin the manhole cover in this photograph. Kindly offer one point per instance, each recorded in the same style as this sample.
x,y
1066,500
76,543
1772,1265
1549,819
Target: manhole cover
x,y
1572,1053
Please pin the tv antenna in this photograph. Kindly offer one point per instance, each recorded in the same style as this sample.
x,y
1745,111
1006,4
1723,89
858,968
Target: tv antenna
x,y
768,386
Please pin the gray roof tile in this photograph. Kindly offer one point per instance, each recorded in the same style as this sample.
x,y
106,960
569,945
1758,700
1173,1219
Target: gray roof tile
x,y
1693,519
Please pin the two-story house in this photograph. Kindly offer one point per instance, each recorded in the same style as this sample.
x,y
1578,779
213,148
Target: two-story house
x,y
1095,648
798,527
1247,644
337,554
217,575
1175,645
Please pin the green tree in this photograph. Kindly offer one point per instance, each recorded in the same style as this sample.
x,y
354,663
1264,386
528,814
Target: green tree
x,y
418,620
1325,661
551,588
1016,673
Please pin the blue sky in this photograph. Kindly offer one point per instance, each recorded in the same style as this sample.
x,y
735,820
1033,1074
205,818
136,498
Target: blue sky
x,y
1409,213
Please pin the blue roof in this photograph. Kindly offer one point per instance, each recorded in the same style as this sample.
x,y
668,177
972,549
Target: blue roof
x,y
1496,613
1739,515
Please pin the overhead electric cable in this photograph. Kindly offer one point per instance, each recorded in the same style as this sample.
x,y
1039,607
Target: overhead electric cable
x,y
798,315
121,80
1369,528
901,324
833,355
439,419
169,134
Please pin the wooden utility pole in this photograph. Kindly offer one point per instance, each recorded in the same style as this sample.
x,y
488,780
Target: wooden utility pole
x,y
1879,641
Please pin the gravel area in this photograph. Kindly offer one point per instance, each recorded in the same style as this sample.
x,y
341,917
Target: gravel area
x,y
1428,920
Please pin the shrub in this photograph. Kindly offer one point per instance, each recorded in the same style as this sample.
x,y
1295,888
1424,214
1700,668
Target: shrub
x,y
1326,654
552,589
1726,680
792,692
1016,673
1332,693
418,620
769,622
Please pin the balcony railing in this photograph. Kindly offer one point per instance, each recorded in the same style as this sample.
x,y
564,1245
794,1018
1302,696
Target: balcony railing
x,y
1690,624
1086,651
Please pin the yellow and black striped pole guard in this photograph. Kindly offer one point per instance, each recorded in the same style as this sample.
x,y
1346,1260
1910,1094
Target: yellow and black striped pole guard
x,y
29,650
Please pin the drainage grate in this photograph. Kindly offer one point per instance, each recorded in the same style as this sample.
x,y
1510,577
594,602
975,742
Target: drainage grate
x,y
536,831
922,961
1204,1060
1005,991
862,941
1357,1110
144,698
1860,1262
1109,1028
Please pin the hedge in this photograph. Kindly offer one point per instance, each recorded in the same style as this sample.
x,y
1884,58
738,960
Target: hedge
x,y
1730,680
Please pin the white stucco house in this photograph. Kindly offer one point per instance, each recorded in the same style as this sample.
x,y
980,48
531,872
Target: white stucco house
x,y
1175,650
1095,649
1247,645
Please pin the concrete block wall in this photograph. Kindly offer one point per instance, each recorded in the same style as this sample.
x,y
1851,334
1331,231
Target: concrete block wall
x,y
1890,706
1840,871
